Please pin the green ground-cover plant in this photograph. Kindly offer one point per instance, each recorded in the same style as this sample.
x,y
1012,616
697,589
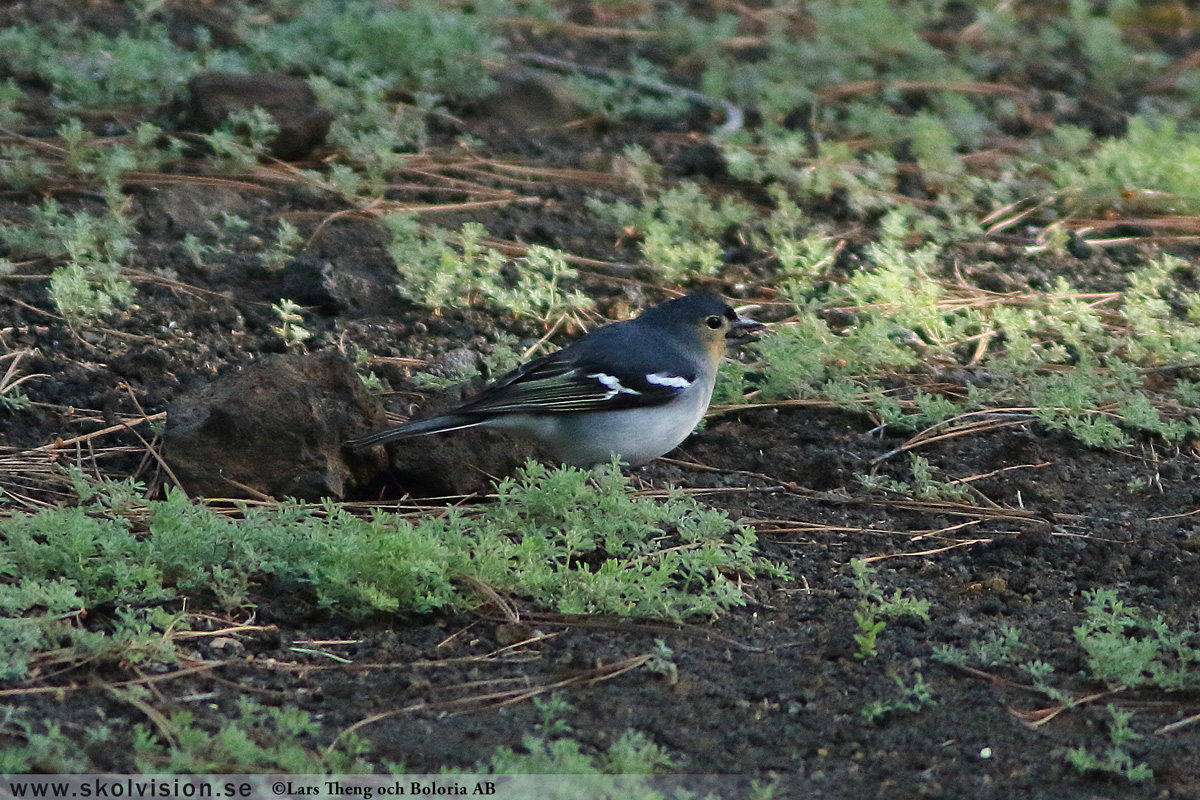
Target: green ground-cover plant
x,y
996,649
620,772
873,76
1154,168
241,140
287,242
562,539
550,750
845,40
1115,759
877,60
909,698
11,97
883,129
907,100
679,226
625,95
290,328
420,47
88,283
1126,649
89,247
359,54
223,240
257,739
12,396
371,132
503,355
566,539
88,70
1121,648
1072,361
875,608
924,485
356,54
866,180
31,747
21,167
438,271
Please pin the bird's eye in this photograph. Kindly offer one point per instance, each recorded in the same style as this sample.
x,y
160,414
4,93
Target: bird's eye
x,y
714,322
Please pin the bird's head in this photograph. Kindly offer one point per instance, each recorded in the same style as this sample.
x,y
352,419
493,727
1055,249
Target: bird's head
x,y
707,316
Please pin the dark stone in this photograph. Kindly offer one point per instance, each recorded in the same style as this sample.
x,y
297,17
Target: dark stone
x,y
460,462
187,208
140,365
1078,247
360,286
213,96
703,160
109,19
186,17
527,98
276,427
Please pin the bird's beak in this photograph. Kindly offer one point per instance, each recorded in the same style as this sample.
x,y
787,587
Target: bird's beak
x,y
742,327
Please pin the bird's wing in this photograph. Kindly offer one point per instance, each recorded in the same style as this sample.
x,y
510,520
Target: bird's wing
x,y
566,382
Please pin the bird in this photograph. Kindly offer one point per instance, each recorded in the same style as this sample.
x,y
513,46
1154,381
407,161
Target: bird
x,y
633,390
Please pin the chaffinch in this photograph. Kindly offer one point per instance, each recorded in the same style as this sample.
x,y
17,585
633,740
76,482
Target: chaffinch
x,y
634,389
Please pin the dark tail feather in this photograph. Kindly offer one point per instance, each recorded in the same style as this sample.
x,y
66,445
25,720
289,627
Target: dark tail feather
x,y
424,427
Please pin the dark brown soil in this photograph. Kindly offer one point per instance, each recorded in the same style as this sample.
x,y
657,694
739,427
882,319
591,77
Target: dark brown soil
x,y
773,689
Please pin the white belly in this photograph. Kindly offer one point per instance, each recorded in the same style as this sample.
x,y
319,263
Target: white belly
x,y
635,435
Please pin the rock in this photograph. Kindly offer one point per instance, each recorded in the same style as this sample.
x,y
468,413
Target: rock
x,y
187,208
358,286
462,462
213,96
466,461
530,99
109,19
186,18
703,161
277,427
